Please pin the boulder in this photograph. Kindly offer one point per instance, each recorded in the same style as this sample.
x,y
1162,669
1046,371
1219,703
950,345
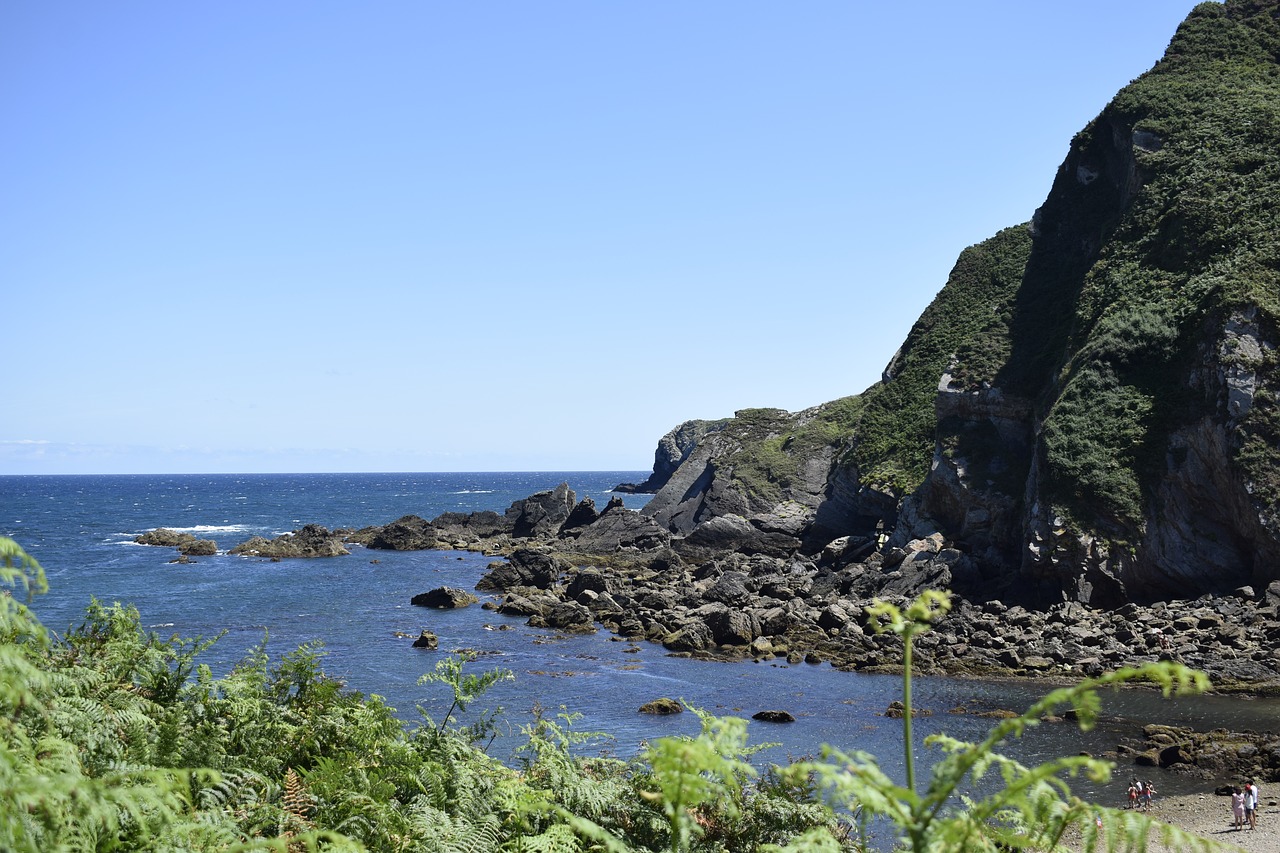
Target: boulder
x,y
583,514
408,533
733,533
695,636
444,598
521,605
426,640
198,548
543,513
729,625
564,616
774,716
587,580
731,589
525,567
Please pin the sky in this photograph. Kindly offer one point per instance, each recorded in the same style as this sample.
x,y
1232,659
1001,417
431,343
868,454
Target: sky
x,y
528,236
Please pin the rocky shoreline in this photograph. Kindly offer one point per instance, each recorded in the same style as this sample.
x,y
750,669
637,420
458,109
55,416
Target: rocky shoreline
x,y
729,594
572,568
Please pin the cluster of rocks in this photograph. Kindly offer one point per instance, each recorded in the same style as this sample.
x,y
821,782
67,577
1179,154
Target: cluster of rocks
x,y
731,593
310,541
1218,754
188,544
757,606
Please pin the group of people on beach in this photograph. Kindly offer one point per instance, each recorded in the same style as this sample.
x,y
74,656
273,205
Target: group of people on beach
x,y
1244,805
1141,794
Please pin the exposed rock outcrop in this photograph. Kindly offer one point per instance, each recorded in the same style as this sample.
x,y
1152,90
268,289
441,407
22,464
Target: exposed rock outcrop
x,y
311,540
188,544
542,514
407,533
444,598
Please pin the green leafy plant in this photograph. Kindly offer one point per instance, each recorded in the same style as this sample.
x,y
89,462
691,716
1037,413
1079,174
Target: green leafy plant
x,y
466,688
1033,808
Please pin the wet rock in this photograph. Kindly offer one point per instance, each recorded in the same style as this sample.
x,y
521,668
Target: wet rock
x,y
186,543
426,640
444,598
774,716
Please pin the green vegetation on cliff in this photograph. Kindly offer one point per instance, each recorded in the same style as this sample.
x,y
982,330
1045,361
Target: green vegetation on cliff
x,y
1196,243
773,446
1105,320
964,331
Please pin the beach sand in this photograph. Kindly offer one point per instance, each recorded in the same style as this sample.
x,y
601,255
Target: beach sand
x,y
1209,816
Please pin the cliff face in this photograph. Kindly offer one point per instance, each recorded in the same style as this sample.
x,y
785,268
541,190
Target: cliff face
x,y
1089,406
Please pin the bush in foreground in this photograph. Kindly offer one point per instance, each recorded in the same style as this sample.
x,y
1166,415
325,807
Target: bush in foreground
x,y
115,739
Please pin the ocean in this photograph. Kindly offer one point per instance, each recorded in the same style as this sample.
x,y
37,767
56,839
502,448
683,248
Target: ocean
x,y
81,529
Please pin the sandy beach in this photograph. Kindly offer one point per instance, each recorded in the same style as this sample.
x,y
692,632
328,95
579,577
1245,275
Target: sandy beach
x,y
1209,816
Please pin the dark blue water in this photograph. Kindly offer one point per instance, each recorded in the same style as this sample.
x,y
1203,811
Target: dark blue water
x,y
81,528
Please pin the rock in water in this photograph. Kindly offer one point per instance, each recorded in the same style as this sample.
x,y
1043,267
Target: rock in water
x,y
444,598
662,707
774,717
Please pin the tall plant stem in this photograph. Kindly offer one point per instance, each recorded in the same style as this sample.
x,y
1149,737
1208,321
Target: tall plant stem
x,y
906,711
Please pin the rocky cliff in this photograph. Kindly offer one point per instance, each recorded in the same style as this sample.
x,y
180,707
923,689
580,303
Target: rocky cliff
x,y
1088,408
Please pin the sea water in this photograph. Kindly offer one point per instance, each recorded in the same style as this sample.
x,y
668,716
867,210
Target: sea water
x,y
81,529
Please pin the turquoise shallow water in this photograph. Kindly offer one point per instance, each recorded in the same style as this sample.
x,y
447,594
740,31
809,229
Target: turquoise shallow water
x,y
81,530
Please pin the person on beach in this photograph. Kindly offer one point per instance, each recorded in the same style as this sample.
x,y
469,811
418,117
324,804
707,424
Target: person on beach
x,y
1148,794
1133,794
1237,808
1251,804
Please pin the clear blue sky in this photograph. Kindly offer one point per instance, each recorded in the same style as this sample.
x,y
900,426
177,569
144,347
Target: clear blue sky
x,y
434,236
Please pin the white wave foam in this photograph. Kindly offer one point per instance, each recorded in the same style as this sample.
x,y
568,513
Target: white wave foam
x,y
474,492
209,528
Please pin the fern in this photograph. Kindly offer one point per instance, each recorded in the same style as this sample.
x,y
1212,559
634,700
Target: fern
x,y
1034,807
